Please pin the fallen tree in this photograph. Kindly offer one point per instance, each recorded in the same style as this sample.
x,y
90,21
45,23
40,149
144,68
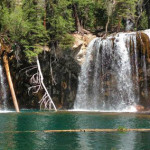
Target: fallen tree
x,y
80,130
6,65
37,82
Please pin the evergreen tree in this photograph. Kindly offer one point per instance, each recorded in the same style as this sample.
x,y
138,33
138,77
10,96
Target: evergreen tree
x,y
23,25
124,9
59,23
83,12
34,23
37,34
147,7
119,10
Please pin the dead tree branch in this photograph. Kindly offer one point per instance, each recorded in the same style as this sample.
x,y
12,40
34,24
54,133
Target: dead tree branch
x,y
37,82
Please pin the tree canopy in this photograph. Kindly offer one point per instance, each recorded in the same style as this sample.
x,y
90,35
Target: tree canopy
x,y
34,23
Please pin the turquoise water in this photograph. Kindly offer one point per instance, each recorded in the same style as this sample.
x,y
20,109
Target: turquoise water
x,y
31,121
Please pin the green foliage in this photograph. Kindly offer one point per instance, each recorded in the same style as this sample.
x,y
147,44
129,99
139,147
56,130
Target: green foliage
x,y
85,10
126,8
24,26
122,129
100,14
15,24
51,22
59,22
117,10
37,34
66,41
143,24
32,52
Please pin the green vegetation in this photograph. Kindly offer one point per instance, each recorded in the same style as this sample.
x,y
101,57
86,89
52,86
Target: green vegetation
x,y
35,23
122,129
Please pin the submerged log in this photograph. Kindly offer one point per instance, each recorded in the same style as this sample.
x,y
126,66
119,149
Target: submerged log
x,y
6,65
81,130
99,130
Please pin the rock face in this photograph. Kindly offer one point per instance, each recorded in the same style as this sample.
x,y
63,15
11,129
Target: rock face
x,y
61,78
143,49
80,45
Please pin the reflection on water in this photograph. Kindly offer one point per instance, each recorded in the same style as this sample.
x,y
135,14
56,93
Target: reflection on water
x,y
7,141
75,141
72,141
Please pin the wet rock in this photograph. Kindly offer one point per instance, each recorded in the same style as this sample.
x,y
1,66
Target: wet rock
x,y
139,108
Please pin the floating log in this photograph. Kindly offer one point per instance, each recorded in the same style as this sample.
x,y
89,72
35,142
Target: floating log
x,y
81,130
98,130
6,65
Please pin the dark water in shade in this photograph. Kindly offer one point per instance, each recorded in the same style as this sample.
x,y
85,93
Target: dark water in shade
x,y
30,121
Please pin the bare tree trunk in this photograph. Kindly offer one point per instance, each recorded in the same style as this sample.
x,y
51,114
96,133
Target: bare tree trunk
x,y
106,28
43,85
37,82
6,65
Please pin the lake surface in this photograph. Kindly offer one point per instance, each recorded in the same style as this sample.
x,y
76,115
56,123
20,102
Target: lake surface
x,y
38,121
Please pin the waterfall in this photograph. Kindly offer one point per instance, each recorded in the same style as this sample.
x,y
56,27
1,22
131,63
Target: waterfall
x,y
109,76
3,88
129,25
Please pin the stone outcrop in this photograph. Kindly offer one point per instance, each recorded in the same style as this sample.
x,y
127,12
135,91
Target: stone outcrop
x,y
80,45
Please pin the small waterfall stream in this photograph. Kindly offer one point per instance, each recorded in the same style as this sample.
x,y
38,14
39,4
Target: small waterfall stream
x,y
109,76
3,89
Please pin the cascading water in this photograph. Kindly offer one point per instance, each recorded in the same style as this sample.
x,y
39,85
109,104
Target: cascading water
x,y
3,89
109,76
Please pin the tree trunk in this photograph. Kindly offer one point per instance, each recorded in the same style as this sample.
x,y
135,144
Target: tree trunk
x,y
119,24
77,21
6,65
45,15
106,28
44,22
43,85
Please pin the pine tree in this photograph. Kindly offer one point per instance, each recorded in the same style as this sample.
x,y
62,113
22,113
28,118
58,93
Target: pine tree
x,y
23,25
125,9
83,12
59,23
147,7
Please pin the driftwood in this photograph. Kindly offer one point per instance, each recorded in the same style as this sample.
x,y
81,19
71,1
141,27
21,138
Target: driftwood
x,y
81,130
